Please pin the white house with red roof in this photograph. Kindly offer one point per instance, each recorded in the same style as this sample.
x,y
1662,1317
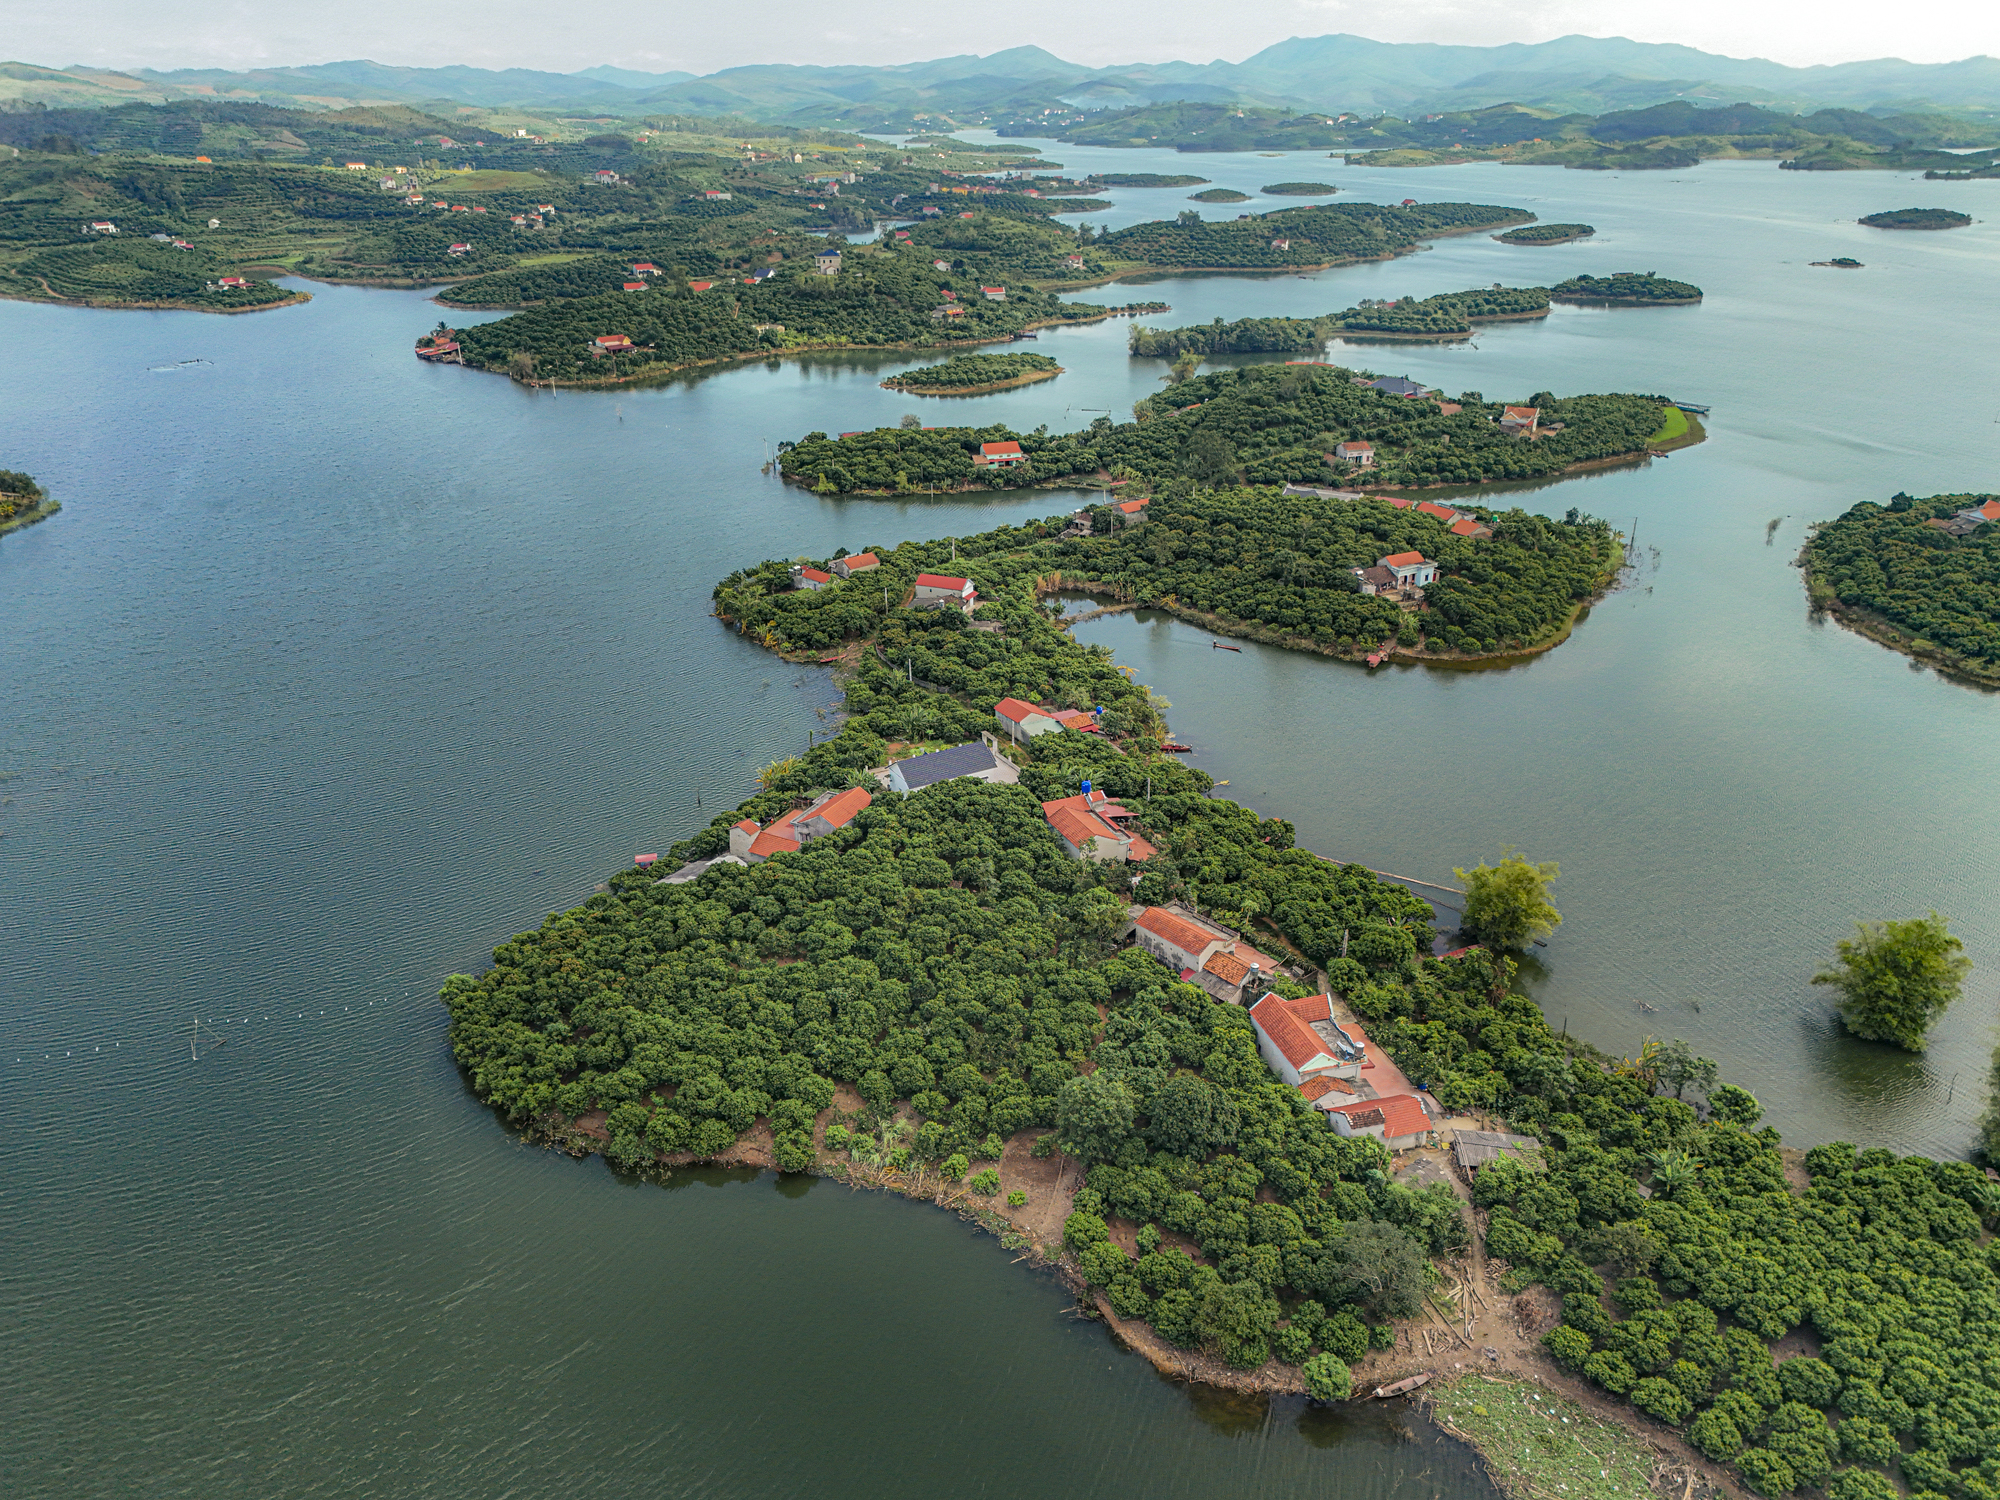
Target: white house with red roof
x,y
860,562
787,835
1093,827
1519,419
1355,451
1133,510
1021,721
935,590
1399,1121
1301,1041
1000,453
613,341
994,293
810,578
1203,952
635,286
1412,569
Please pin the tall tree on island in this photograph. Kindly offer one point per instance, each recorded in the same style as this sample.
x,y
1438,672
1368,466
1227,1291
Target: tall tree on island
x,y
1897,978
1507,906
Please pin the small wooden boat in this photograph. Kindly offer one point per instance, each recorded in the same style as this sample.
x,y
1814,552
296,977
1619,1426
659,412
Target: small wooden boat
x,y
1175,747
1404,1387
1374,659
1220,647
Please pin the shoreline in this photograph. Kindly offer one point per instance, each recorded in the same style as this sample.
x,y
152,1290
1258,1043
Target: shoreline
x,y
971,390
1366,336
1561,239
290,299
1626,301
40,511
1865,622
664,372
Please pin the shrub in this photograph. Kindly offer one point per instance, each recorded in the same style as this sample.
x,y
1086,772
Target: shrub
x,y
1570,1347
1044,1147
1127,1298
1149,1239
1327,1379
1292,1343
1344,1336
1612,1371
985,1183
793,1151
1016,1198
838,1137
1860,1484
955,1165
1104,1262
1863,1440
1765,1472
990,1149
1661,1398
1809,1381
1716,1435
1082,1230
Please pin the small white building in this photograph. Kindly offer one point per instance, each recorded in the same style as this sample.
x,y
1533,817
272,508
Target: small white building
x,y
860,562
936,589
827,262
810,578
1356,452
1412,570
1400,1121
787,835
1021,722
1300,1040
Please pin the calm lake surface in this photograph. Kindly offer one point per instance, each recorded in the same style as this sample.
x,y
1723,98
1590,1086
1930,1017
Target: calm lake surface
x,y
336,669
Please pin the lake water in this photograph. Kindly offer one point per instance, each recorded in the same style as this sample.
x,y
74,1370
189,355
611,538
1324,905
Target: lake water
x,y
337,668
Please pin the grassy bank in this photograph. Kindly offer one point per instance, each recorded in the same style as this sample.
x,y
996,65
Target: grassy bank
x,y
1539,1445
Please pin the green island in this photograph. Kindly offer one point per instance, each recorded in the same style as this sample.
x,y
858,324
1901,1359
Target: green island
x,y
1264,425
22,501
973,374
1146,179
1219,195
1658,137
1625,289
1920,576
1448,315
934,997
1917,218
1299,189
1546,234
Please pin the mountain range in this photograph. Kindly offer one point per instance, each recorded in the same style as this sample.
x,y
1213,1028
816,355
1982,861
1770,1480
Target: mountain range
x,y
1332,73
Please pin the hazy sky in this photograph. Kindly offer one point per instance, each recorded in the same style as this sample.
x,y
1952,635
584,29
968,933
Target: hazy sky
x,y
571,34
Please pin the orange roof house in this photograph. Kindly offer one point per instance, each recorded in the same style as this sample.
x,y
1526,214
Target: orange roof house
x,y
1091,826
936,589
1021,721
1519,418
1000,453
1399,1121
613,341
811,578
792,832
1300,1040
860,562
1203,952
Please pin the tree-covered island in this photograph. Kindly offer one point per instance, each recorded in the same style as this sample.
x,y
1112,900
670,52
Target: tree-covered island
x,y
1917,218
974,374
1920,576
934,996
1625,289
1265,424
1545,234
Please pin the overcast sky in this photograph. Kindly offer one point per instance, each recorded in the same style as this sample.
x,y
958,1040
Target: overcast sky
x,y
572,34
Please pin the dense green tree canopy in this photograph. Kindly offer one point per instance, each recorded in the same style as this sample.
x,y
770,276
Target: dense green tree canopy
x,y
1896,979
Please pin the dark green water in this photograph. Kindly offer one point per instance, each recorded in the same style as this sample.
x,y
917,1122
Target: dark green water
x,y
336,669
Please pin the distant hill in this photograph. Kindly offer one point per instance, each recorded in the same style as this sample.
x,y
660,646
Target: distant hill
x,y
1570,75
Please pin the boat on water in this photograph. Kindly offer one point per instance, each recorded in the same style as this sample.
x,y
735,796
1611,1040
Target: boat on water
x,y
1689,406
1404,1387
1374,659
1175,747
1220,647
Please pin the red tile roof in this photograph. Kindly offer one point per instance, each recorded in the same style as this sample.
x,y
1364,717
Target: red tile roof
x,y
1991,510
1465,527
1227,967
749,826
1140,849
1291,1036
862,560
1403,560
1176,929
1399,1114
771,842
1520,414
1432,508
941,581
1001,450
1079,827
1133,507
815,575
841,810
1318,1088
1013,710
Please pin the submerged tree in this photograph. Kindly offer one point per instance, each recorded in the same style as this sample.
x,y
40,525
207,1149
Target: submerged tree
x,y
1507,906
1897,978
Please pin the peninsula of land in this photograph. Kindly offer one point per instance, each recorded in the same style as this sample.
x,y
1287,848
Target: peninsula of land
x,y
1236,1101
1920,576
974,375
